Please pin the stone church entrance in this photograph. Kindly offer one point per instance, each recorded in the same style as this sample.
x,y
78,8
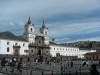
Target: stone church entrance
x,y
40,56
39,52
16,50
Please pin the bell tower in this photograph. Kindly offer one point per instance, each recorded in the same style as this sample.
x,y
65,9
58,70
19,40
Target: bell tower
x,y
29,27
44,31
29,33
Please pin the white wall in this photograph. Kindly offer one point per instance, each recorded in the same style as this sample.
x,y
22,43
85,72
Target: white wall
x,y
82,52
3,46
63,50
68,51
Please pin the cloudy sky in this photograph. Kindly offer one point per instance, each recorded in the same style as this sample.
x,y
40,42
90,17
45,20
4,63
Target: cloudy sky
x,y
67,20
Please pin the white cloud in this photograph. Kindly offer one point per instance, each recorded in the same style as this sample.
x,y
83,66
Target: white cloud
x,y
15,12
59,29
90,39
38,8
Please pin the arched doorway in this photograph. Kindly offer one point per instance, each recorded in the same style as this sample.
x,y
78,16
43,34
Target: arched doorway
x,y
40,58
16,50
39,52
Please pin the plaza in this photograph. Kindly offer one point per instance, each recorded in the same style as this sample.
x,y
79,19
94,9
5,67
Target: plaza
x,y
75,67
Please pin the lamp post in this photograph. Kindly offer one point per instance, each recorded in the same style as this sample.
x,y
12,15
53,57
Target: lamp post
x,y
61,67
80,67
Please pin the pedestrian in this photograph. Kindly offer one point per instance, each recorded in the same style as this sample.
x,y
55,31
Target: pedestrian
x,y
13,64
3,63
19,66
84,63
93,70
87,63
36,61
76,73
71,63
28,59
99,64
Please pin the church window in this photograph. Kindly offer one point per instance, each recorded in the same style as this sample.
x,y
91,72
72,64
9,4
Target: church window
x,y
32,51
16,43
23,44
7,43
46,33
7,49
26,51
46,51
39,42
31,29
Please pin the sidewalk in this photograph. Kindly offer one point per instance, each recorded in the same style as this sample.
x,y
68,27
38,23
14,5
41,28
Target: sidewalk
x,y
2,74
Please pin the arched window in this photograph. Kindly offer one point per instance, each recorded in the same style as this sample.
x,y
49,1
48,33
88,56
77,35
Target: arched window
x,y
31,29
7,43
16,43
32,51
23,44
45,33
7,49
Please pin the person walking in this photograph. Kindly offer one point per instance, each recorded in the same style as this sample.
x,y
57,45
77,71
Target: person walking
x,y
93,70
71,64
13,64
3,63
19,66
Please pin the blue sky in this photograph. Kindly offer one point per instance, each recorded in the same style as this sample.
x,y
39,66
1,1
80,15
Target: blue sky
x,y
67,20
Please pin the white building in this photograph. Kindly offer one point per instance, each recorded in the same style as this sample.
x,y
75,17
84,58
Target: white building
x,y
67,51
10,44
35,43
6,46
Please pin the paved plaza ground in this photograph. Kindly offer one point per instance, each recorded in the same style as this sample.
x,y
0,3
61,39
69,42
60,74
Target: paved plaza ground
x,y
65,68
2,74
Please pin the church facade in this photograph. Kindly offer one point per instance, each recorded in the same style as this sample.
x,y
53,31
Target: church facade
x,y
35,44
38,41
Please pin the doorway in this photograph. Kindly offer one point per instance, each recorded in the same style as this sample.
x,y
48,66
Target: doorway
x,y
16,52
39,52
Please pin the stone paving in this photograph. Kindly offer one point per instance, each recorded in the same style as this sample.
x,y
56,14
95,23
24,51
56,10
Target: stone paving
x,y
48,69
2,74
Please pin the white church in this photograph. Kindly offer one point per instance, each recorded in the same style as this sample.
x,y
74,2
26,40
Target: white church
x,y
35,43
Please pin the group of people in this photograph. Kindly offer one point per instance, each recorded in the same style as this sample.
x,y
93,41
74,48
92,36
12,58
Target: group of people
x,y
13,63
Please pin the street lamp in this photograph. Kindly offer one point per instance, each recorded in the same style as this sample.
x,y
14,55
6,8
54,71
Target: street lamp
x,y
61,69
